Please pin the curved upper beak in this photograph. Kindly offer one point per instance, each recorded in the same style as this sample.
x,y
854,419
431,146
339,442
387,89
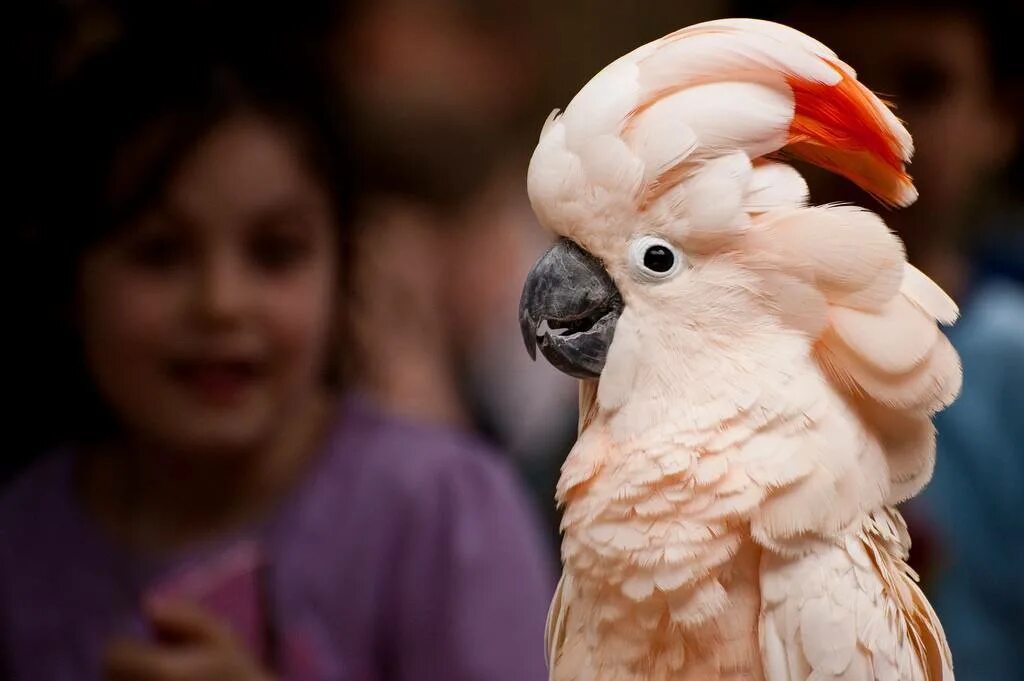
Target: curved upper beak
x,y
570,290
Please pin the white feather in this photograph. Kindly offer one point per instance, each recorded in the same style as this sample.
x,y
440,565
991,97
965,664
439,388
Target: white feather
x,y
602,105
726,116
928,295
775,186
677,61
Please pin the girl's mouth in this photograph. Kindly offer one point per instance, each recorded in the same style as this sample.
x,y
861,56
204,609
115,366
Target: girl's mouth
x,y
218,382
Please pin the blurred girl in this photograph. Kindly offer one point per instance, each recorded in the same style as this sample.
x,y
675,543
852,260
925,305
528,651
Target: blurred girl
x,y
219,510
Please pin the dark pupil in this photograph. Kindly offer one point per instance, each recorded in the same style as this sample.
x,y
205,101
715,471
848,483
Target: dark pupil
x,y
658,259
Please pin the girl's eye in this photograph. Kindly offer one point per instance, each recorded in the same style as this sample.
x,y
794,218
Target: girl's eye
x,y
283,239
276,251
655,259
154,242
157,251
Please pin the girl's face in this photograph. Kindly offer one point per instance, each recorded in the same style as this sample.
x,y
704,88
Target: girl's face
x,y
206,321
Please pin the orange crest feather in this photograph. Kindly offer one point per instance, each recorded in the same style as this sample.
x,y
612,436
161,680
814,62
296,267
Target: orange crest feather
x,y
839,127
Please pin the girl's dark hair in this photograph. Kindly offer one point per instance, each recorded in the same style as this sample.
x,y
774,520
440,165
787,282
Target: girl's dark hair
x,y
153,97
171,94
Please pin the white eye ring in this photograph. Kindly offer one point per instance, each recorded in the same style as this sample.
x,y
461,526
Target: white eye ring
x,y
654,259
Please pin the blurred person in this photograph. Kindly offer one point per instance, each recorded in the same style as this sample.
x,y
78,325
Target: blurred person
x,y
221,508
954,77
953,82
440,88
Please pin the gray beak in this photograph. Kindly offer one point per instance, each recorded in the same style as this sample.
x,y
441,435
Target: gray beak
x,y
570,290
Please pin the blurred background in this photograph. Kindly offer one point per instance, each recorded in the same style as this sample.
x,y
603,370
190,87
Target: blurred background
x,y
443,101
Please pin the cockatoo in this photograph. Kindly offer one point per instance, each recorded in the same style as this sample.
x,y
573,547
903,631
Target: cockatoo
x,y
758,375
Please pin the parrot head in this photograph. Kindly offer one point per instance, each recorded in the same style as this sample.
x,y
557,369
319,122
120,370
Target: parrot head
x,y
658,183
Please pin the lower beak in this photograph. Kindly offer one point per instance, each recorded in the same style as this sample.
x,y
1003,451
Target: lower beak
x,y
570,291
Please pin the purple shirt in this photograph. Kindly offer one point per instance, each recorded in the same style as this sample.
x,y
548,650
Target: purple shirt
x,y
407,552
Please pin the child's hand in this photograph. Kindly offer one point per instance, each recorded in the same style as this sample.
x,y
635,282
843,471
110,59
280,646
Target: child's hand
x,y
192,645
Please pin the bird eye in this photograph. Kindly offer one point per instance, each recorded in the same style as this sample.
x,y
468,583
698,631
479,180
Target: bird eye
x,y
655,259
659,259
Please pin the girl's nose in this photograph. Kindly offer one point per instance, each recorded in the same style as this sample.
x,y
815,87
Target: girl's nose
x,y
222,290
